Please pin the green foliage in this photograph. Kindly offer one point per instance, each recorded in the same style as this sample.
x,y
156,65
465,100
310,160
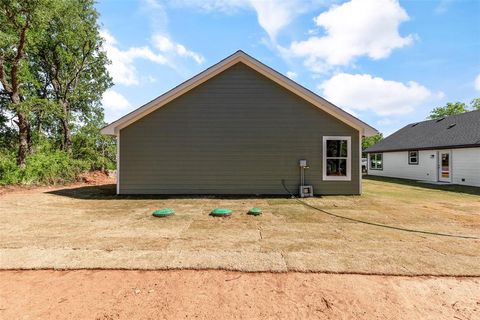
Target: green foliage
x,y
52,78
8,135
475,104
367,142
71,63
97,150
47,167
453,108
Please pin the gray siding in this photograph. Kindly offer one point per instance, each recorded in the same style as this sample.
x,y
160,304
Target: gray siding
x,y
237,133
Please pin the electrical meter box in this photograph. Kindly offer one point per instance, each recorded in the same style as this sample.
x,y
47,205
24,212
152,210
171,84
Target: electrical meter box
x,y
306,191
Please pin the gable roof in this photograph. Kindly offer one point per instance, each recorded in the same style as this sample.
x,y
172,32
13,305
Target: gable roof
x,y
462,130
239,56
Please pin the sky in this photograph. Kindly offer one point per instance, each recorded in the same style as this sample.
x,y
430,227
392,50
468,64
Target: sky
x,y
387,62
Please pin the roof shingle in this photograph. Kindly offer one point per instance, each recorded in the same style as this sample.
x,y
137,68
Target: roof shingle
x,y
453,131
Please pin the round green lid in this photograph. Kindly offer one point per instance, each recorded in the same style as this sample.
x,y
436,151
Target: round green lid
x,y
163,212
221,212
255,211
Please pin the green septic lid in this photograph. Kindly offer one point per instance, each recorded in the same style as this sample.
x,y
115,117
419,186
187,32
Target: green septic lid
x,y
221,212
255,211
163,212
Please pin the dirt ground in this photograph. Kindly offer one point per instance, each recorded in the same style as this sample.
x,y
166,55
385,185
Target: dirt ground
x,y
189,294
86,226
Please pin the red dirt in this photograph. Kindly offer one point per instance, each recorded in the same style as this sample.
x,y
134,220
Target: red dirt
x,y
115,294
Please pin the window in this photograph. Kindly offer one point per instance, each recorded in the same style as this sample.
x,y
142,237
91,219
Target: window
x,y
336,158
376,161
412,157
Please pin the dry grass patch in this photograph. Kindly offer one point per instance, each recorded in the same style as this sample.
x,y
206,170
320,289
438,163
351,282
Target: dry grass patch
x,y
90,227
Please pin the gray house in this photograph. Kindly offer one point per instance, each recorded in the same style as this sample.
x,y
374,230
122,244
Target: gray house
x,y
238,127
445,150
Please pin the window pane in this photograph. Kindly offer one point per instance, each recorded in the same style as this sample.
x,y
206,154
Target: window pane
x,y
337,148
336,167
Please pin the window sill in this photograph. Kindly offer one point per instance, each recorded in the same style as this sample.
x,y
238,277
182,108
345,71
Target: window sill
x,y
336,178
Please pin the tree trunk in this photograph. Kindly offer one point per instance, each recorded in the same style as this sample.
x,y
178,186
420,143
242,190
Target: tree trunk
x,y
66,139
23,139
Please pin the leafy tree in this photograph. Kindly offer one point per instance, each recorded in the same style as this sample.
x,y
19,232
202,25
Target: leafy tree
x,y
70,61
89,145
452,108
475,104
370,141
20,22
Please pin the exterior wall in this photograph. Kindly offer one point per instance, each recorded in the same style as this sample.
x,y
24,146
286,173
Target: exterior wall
x,y
466,165
237,133
395,164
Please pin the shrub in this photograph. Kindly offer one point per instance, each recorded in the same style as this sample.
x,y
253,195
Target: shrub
x,y
41,168
9,171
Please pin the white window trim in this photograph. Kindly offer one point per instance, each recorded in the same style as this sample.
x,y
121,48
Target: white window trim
x,y
370,161
118,162
410,157
348,177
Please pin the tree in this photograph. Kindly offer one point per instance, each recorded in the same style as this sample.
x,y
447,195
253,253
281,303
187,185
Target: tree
x,y
370,141
20,20
452,108
475,104
70,60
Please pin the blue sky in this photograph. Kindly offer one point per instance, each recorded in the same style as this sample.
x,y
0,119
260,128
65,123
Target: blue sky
x,y
388,62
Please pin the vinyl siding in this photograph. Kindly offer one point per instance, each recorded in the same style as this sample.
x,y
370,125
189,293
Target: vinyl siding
x,y
395,164
237,133
466,165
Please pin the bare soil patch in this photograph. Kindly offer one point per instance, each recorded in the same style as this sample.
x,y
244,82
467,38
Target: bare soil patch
x,y
96,294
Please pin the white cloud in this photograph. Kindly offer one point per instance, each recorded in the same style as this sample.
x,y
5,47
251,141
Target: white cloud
x,y
122,67
477,83
272,15
363,92
353,29
442,6
114,101
166,45
292,75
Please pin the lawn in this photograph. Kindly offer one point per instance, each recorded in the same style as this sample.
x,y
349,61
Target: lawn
x,y
86,226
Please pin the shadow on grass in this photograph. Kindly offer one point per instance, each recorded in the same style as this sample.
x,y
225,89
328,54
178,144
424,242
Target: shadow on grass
x,y
108,192
413,183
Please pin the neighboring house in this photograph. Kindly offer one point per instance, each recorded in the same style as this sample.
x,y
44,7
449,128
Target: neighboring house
x,y
443,150
238,127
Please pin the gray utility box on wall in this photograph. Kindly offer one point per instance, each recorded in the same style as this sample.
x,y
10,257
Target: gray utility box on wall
x,y
306,191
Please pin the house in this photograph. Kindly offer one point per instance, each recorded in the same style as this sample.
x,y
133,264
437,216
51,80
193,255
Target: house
x,y
442,150
239,127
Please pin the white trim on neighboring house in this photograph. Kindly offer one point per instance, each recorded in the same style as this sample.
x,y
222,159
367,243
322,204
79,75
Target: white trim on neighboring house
x,y
118,162
450,165
360,173
348,177
240,56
